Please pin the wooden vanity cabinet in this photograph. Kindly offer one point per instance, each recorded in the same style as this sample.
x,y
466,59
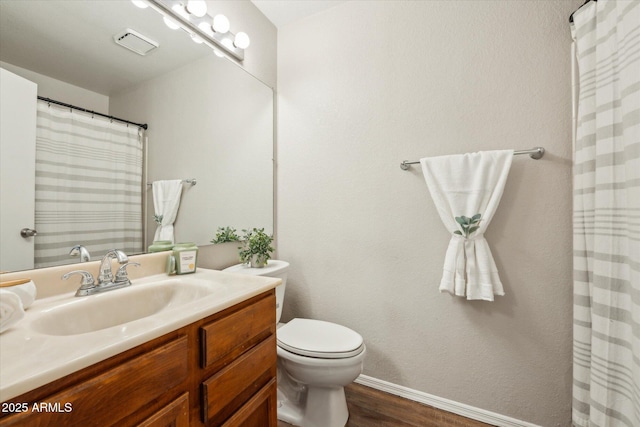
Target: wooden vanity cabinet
x,y
219,371
238,359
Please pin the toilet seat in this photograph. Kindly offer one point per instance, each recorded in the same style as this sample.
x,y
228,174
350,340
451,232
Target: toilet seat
x,y
319,339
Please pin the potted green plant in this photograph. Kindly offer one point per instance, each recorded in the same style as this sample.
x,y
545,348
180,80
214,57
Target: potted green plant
x,y
225,234
256,247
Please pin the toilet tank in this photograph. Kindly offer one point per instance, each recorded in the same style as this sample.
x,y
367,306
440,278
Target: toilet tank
x,y
274,268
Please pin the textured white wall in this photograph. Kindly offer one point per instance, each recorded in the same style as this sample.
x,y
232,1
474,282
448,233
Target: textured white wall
x,y
368,84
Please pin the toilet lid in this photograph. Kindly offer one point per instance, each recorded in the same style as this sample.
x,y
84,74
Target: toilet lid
x,y
317,338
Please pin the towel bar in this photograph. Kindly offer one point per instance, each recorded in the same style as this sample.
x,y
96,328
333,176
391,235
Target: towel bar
x,y
191,181
535,153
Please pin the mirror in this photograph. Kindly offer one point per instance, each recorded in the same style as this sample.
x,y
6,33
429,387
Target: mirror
x,y
207,117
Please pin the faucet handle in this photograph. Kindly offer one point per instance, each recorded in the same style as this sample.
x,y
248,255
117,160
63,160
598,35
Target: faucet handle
x,y
121,275
87,278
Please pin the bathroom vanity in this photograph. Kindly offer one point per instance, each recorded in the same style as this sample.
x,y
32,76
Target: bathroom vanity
x,y
217,370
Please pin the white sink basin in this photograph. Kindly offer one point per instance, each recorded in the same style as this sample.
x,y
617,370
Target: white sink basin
x,y
62,334
117,307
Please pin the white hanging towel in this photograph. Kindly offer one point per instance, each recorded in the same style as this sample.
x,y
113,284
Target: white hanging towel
x,y
466,189
166,201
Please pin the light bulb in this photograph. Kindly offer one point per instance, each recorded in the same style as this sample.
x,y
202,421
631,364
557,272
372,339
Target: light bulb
x,y
140,3
206,28
180,10
197,39
197,8
227,43
171,23
218,53
221,24
242,40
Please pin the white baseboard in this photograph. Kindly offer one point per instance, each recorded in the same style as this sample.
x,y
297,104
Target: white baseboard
x,y
442,403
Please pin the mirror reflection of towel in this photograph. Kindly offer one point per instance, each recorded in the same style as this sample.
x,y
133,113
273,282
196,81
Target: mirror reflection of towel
x,y
166,201
467,188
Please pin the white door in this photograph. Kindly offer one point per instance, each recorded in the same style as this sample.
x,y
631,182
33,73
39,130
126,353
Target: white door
x,y
17,169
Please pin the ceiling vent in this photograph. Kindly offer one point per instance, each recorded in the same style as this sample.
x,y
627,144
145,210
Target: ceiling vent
x,y
135,41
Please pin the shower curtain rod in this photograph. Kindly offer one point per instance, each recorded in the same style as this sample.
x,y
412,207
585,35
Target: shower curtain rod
x,y
535,153
53,101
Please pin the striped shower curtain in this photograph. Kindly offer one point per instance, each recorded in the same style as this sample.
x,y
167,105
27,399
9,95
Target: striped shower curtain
x,y
606,373
88,185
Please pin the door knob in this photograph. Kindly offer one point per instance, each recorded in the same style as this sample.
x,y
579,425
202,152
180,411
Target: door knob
x,y
28,232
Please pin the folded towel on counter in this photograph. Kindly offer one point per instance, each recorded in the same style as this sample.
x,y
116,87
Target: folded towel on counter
x,y
11,311
26,292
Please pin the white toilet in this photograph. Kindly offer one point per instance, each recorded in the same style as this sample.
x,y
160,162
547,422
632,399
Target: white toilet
x,y
316,360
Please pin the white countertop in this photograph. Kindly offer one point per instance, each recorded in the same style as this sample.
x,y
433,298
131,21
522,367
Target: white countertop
x,y
30,358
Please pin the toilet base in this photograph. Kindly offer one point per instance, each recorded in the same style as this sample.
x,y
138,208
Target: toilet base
x,y
327,407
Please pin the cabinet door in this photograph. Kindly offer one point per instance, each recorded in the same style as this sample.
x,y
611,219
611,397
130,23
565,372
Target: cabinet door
x,y
259,411
175,414
113,396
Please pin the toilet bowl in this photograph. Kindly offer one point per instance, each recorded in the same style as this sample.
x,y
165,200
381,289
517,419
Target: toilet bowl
x,y
316,360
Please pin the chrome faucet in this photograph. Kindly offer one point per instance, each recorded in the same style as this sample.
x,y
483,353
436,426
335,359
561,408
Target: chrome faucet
x,y
79,250
105,277
106,280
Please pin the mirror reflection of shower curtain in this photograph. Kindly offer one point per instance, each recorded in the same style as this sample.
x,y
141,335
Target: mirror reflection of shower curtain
x,y
88,185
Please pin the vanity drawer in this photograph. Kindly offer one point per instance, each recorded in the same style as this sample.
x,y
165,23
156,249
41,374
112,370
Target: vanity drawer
x,y
239,331
232,387
259,411
114,395
175,414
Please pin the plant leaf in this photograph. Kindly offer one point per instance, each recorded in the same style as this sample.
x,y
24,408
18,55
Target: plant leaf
x,y
476,217
457,232
461,220
472,229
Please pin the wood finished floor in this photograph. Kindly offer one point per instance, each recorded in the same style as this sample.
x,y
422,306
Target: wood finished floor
x,y
373,408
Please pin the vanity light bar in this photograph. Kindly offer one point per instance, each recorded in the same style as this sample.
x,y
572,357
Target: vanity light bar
x,y
189,23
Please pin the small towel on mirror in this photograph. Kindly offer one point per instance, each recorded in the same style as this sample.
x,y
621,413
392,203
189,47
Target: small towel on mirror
x,y
166,201
11,311
466,189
